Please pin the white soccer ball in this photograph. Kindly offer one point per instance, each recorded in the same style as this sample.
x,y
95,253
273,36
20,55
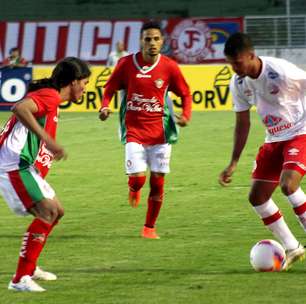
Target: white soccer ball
x,y
267,255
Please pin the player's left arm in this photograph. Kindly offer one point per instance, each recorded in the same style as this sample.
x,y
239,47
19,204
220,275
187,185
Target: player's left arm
x,y
180,87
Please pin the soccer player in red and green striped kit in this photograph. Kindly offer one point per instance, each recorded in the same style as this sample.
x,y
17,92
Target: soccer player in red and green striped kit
x,y
147,123
27,148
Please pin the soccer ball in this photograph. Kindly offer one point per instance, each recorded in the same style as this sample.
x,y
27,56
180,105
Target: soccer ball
x,y
267,255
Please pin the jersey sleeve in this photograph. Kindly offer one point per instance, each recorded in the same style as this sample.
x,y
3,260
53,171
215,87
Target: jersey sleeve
x,y
294,73
47,100
179,87
114,83
240,103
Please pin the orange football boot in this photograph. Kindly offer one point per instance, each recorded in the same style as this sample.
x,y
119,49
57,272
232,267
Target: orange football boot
x,y
149,233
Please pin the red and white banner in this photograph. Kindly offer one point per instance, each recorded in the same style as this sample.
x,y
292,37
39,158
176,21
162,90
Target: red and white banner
x,y
193,40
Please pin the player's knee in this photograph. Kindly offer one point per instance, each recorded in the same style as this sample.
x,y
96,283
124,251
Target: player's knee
x,y
47,210
288,187
50,215
136,182
256,198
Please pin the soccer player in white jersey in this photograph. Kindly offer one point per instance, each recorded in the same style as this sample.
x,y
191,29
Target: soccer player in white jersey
x,y
277,89
27,148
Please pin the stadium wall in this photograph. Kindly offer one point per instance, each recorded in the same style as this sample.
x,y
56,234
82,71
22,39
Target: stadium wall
x,y
12,10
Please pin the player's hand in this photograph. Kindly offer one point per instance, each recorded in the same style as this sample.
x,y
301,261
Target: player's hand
x,y
225,176
181,120
104,113
57,151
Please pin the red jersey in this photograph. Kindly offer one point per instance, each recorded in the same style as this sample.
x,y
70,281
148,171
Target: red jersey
x,y
19,147
146,115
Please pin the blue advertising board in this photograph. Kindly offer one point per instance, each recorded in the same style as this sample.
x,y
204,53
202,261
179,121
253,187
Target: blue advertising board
x,y
13,85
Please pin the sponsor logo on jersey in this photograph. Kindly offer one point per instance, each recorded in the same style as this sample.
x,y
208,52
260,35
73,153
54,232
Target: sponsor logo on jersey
x,y
273,75
273,124
139,75
293,151
271,120
159,83
139,103
44,156
55,119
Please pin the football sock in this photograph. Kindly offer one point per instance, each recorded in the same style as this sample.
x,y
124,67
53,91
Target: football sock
x,y
274,221
33,242
136,182
298,202
155,199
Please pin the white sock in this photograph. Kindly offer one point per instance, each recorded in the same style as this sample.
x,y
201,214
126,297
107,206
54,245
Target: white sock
x,y
275,222
298,202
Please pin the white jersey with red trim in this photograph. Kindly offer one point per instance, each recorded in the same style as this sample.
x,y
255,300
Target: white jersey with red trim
x,y
278,95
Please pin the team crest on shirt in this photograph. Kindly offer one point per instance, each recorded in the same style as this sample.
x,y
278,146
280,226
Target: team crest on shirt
x,y
159,83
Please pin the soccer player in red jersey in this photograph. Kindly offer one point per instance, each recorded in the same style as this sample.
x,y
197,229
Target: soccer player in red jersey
x,y
147,124
27,148
277,88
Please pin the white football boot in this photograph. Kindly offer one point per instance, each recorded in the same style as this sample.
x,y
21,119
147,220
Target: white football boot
x,y
25,284
294,255
40,274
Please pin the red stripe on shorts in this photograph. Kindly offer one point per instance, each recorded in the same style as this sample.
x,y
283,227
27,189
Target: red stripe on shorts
x,y
272,218
20,189
300,209
295,167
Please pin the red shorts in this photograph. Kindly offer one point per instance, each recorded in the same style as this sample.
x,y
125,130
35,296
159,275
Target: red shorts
x,y
272,158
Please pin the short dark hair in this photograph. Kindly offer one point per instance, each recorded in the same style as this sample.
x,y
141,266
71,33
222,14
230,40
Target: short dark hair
x,y
153,24
237,43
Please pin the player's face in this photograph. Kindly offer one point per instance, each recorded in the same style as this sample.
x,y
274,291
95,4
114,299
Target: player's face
x,y
242,64
151,42
78,88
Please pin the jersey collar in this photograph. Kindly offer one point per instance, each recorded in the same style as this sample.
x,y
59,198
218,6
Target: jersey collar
x,y
149,69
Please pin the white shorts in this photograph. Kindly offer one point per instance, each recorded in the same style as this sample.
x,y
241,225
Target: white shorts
x,y
21,189
138,157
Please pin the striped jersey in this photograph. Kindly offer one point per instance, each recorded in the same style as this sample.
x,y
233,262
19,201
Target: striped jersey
x,y
21,148
279,94
146,115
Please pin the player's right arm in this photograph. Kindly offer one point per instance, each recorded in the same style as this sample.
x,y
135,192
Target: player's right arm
x,y
24,111
113,84
241,133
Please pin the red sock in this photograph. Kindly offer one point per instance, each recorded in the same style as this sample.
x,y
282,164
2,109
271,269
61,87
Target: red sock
x,y
136,182
33,242
155,199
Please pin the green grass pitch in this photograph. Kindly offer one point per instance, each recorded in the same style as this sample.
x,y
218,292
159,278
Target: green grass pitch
x,y
206,230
